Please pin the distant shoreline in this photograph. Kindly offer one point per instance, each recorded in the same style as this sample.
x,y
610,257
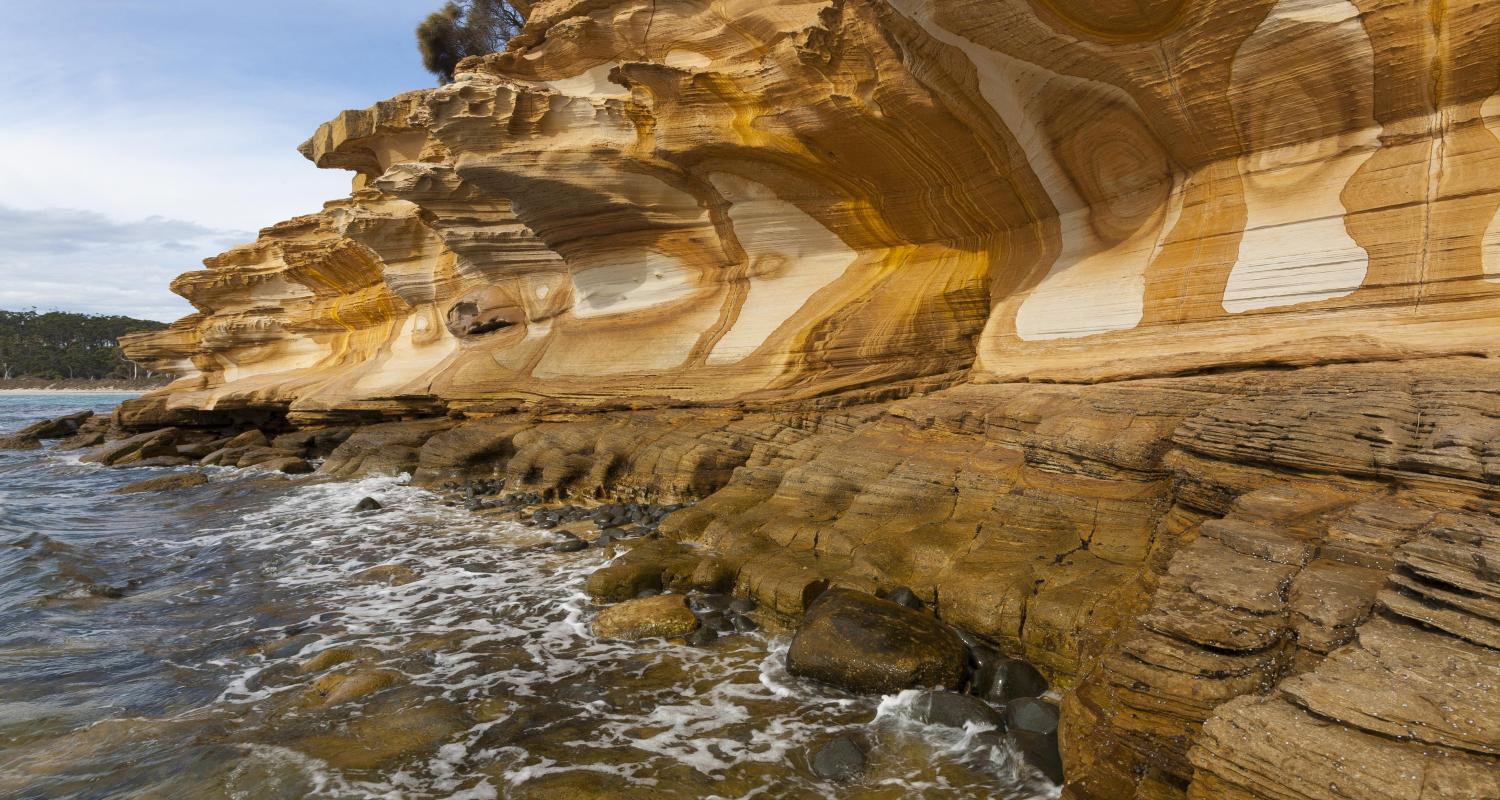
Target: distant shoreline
x,y
33,386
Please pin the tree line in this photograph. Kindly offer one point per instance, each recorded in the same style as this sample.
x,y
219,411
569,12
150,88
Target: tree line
x,y
55,345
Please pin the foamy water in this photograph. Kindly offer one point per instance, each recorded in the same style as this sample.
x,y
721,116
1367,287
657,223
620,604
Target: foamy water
x,y
163,645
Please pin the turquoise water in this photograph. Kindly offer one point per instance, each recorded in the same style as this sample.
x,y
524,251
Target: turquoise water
x,y
191,644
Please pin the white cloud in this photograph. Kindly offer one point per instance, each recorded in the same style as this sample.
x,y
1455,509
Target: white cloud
x,y
79,260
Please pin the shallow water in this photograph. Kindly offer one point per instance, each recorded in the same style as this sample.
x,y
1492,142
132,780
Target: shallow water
x,y
226,642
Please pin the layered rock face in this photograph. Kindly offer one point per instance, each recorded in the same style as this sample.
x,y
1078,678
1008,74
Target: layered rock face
x,y
1151,341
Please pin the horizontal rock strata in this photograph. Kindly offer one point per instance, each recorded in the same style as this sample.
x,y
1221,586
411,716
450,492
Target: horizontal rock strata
x,y
1149,342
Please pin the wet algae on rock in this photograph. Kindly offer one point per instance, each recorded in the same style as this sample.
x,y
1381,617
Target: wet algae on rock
x,y
1146,347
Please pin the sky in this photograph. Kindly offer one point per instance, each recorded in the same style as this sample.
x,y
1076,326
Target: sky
x,y
139,137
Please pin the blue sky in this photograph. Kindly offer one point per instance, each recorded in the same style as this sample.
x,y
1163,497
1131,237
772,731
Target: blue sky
x,y
140,137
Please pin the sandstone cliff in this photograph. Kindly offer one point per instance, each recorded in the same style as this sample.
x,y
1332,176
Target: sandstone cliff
x,y
1152,341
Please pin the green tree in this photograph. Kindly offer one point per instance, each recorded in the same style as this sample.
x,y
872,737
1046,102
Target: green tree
x,y
57,344
464,28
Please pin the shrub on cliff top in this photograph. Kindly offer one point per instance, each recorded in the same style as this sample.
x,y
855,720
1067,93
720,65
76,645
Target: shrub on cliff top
x,y
460,29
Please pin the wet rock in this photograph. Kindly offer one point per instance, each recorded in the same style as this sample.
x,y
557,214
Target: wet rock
x,y
384,734
840,759
715,621
312,442
285,464
580,784
1001,680
647,566
664,616
903,595
165,483
1041,752
342,687
955,710
150,444
59,428
712,575
20,442
224,457
367,504
163,461
80,441
570,544
742,623
197,451
742,605
1032,725
250,439
1032,715
709,602
703,636
865,644
385,449
389,574
334,656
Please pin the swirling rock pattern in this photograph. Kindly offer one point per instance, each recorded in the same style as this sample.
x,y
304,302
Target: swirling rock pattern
x,y
717,202
1149,339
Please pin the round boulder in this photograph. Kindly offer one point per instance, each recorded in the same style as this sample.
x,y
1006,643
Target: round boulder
x,y
840,759
955,710
862,643
1003,680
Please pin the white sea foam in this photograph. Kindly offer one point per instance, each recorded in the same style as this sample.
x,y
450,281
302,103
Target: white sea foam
x,y
494,617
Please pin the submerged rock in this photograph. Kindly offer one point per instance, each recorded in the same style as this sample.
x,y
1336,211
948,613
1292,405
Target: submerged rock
x,y
840,759
384,734
955,710
859,642
580,784
664,616
342,687
165,483
389,574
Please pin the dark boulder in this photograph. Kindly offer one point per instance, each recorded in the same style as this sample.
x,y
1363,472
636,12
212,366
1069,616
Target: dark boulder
x,y
840,759
1040,752
368,504
1031,715
862,643
1001,680
955,710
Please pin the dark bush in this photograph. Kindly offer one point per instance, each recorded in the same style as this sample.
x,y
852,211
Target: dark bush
x,y
461,29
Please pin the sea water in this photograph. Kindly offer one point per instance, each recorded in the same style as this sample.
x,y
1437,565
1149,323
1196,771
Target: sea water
x,y
257,638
